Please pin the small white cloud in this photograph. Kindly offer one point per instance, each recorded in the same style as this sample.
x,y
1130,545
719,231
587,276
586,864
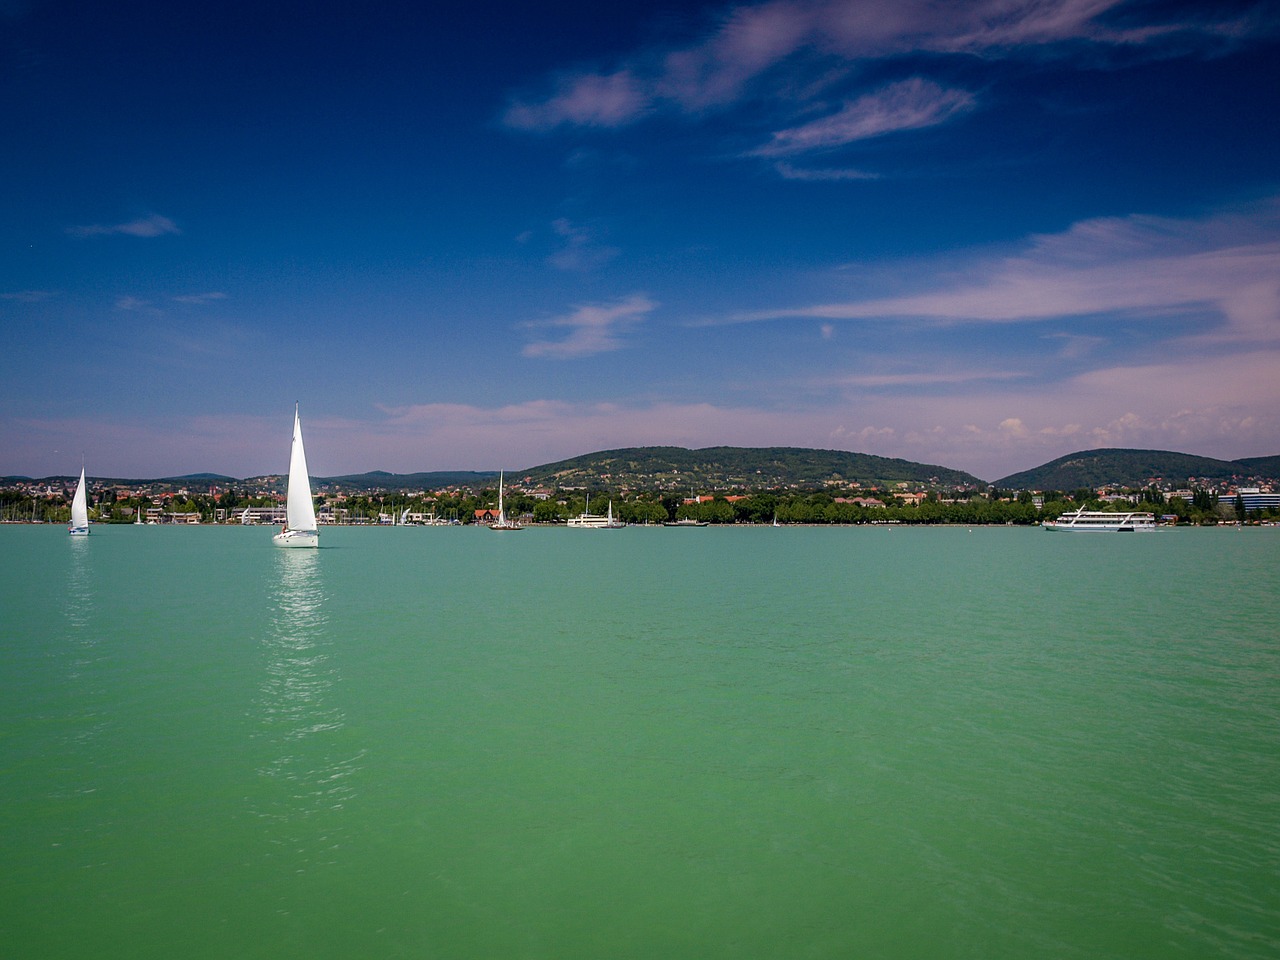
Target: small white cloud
x,y
1014,428
790,172
590,100
579,249
27,296
592,329
152,226
908,105
199,298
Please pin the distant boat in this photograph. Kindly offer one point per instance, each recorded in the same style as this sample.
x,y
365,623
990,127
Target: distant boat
x,y
300,513
593,521
80,510
137,516
1099,521
502,523
687,521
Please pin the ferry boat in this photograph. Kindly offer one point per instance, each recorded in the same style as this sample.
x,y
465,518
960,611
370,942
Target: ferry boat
x,y
593,521
1099,521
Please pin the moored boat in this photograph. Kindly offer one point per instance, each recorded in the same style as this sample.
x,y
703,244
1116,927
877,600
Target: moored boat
x,y
502,523
594,521
1101,521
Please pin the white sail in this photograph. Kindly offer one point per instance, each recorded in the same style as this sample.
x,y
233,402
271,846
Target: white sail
x,y
80,509
300,512
502,522
300,509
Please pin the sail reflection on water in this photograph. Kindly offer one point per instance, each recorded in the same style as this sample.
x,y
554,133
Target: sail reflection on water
x,y
83,653
308,769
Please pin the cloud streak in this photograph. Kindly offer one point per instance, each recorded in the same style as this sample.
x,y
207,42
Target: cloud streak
x,y
748,42
1141,267
198,299
591,329
146,227
909,105
579,249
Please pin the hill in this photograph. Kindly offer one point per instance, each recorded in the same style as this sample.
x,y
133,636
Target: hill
x,y
382,480
1133,468
678,468
1262,466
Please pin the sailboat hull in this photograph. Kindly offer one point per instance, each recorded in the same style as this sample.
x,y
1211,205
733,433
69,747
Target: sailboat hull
x,y
296,538
78,531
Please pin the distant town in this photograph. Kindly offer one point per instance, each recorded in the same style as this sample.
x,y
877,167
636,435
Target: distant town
x,y
203,500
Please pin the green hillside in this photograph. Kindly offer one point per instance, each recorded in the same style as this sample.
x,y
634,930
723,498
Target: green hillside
x,y
1128,468
1262,466
382,480
678,468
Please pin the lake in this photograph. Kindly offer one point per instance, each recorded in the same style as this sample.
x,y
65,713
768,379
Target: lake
x,y
888,742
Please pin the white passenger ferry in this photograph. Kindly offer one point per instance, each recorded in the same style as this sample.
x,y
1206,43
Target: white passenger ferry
x,y
593,521
1099,521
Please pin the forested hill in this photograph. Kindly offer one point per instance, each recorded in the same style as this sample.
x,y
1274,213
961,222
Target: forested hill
x,y
677,468
381,480
1134,468
1262,466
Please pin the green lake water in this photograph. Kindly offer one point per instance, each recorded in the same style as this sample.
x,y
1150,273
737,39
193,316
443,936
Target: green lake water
x,y
646,743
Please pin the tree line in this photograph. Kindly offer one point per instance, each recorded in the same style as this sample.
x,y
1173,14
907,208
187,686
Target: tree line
x,y
789,507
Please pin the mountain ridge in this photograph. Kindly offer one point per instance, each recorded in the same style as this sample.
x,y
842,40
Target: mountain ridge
x,y
678,468
671,467
1122,466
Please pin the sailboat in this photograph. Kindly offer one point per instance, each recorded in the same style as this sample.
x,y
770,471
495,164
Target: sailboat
x,y
300,523
502,523
80,510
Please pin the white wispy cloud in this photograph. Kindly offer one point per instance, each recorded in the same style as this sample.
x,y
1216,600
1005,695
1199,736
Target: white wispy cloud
x,y
907,105
1226,265
747,42
580,248
152,226
789,171
590,100
28,296
591,329
200,298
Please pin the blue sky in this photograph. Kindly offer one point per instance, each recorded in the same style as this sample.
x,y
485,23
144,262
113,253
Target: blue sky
x,y
980,234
